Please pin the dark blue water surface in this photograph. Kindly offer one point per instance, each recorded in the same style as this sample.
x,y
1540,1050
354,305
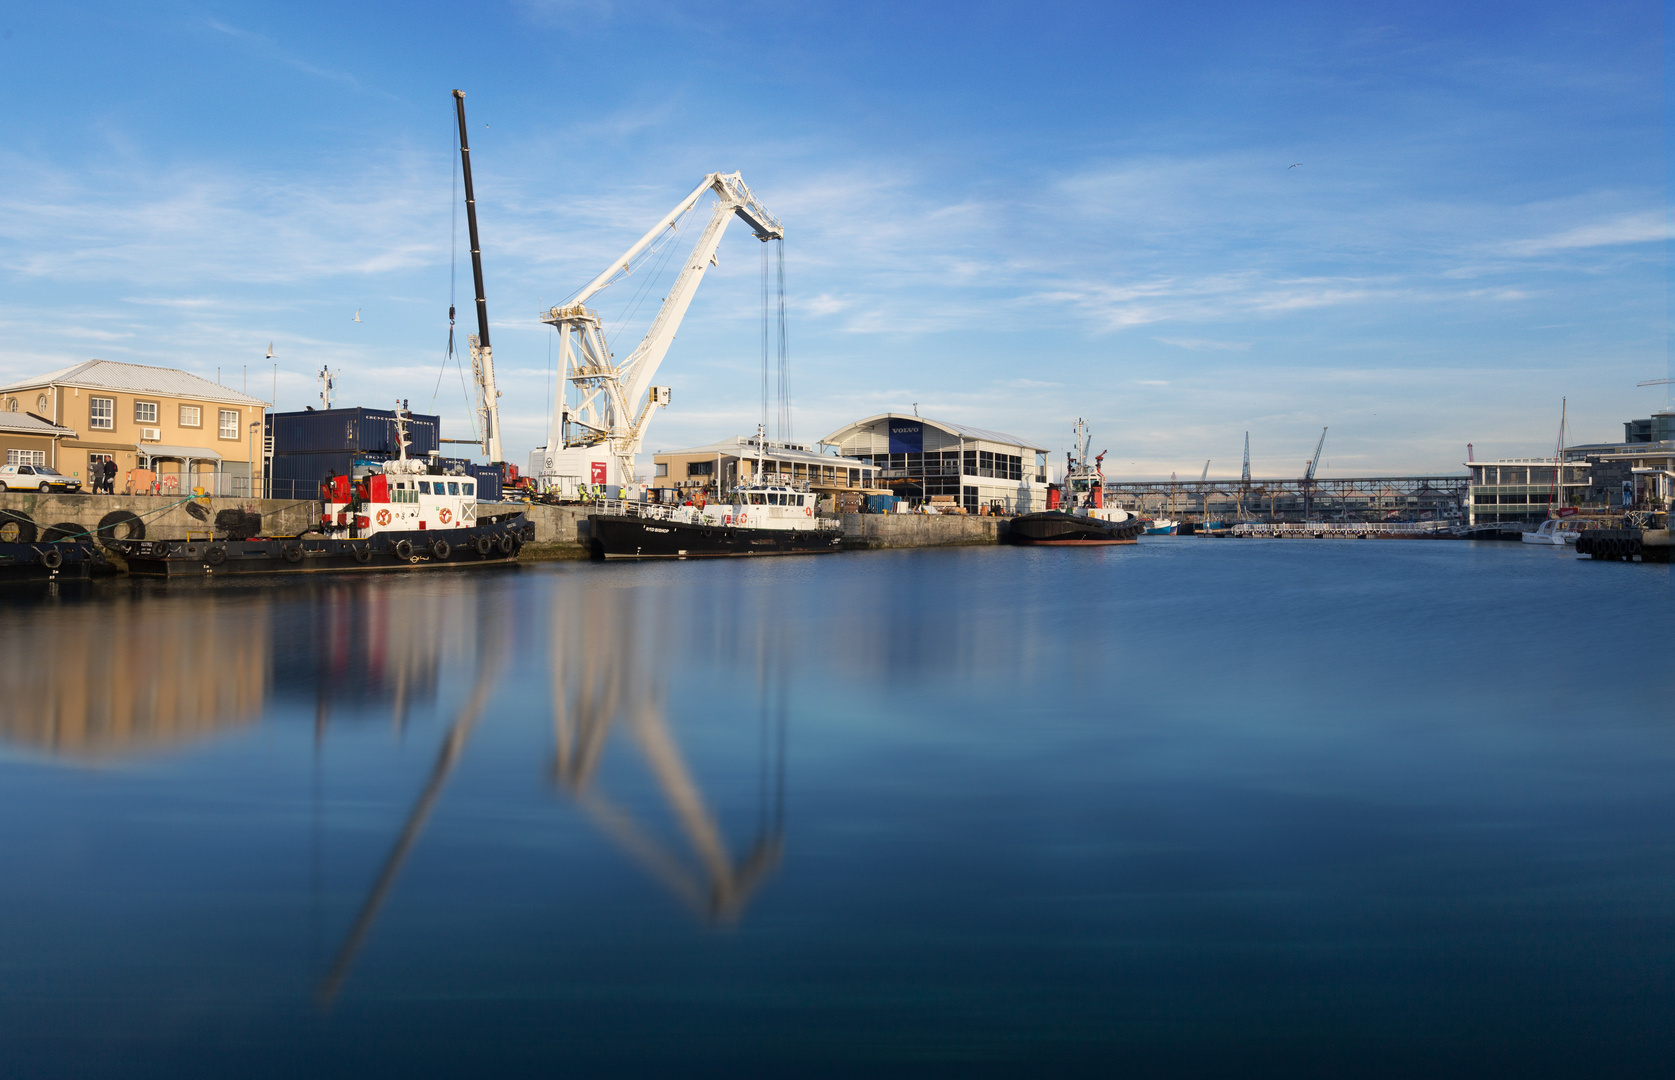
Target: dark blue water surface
x,y
1195,808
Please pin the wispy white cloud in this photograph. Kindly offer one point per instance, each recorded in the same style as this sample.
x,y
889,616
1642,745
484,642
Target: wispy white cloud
x,y
1639,228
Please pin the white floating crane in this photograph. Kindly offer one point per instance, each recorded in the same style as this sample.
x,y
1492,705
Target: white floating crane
x,y
594,439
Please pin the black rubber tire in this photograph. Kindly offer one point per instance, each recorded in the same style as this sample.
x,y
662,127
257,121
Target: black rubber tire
x,y
291,553
64,532
215,554
45,488
484,544
439,550
363,554
116,519
508,543
16,527
52,558
404,550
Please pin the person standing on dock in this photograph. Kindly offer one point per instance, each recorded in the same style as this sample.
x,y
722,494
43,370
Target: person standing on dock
x,y
109,470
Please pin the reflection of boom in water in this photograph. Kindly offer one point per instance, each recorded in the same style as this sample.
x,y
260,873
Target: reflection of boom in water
x,y
489,663
595,684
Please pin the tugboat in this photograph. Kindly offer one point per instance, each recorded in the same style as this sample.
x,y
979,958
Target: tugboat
x,y
405,514
762,518
1082,517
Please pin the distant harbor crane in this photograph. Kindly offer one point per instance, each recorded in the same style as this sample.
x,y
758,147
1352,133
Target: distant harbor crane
x,y
1308,475
482,356
1244,478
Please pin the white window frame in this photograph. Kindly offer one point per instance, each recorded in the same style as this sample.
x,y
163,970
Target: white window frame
x,y
104,422
197,420
140,414
27,457
228,422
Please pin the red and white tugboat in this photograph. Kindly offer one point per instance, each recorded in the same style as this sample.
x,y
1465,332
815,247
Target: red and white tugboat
x,y
405,514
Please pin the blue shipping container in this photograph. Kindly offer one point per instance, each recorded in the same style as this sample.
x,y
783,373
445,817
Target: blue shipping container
x,y
355,430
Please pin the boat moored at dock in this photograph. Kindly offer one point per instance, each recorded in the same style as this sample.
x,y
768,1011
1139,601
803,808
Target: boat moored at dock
x,y
1082,518
761,519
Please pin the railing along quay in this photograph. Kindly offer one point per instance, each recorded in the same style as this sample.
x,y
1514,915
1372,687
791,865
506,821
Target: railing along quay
x,y
1349,530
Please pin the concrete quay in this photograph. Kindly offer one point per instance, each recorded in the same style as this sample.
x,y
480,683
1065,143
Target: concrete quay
x,y
165,516
560,531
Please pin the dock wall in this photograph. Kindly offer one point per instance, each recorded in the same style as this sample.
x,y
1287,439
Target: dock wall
x,y
863,531
165,516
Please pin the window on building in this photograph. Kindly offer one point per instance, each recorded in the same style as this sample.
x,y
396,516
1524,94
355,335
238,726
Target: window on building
x,y
702,468
145,412
229,423
11,404
191,416
26,457
101,412
662,468
970,465
40,403
985,463
854,477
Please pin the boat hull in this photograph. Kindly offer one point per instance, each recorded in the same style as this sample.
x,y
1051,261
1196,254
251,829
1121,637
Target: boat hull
x,y
60,561
1054,528
418,550
612,536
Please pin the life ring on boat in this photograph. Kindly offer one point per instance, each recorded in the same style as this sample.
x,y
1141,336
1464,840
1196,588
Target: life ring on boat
x,y
404,549
507,543
444,515
483,544
808,511
439,548
383,517
215,554
52,558
291,553
743,518
363,553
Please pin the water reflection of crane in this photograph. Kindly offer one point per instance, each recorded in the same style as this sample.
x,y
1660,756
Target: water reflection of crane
x,y
596,646
595,689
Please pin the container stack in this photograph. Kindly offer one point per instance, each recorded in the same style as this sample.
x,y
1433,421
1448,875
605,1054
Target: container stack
x,y
308,446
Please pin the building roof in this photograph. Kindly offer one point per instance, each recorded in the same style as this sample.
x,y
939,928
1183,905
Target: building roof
x,y
136,379
22,423
964,431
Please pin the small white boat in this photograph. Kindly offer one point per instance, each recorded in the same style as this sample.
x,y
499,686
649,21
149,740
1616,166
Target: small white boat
x,y
1552,532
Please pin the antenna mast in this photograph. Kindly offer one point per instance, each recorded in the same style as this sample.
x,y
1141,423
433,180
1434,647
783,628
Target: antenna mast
x,y
482,356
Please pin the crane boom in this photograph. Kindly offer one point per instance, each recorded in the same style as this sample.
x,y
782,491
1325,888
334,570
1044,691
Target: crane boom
x,y
615,400
1315,462
482,356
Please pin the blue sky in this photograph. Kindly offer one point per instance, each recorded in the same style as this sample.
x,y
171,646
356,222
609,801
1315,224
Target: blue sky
x,y
1012,215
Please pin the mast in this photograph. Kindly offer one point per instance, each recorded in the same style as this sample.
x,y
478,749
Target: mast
x,y
482,356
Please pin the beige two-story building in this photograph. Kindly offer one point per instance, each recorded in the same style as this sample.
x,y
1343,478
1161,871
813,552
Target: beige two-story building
x,y
163,427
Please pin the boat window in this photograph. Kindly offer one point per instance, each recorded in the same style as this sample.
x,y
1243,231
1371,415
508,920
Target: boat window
x,y
424,487
468,488
756,498
453,487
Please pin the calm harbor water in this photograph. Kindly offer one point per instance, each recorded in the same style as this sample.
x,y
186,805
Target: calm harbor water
x,y
1191,808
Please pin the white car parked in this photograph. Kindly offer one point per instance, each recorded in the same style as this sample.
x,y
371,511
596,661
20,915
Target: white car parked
x,y
35,478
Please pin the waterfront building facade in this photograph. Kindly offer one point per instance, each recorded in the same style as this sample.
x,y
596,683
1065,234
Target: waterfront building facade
x,y
1522,489
166,429
716,469
924,460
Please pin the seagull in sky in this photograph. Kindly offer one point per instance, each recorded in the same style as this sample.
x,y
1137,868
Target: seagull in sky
x,y
357,317
1293,166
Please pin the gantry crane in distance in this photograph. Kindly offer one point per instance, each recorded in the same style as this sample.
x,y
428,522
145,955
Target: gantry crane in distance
x,y
594,439
1244,479
1308,475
